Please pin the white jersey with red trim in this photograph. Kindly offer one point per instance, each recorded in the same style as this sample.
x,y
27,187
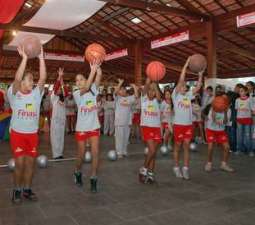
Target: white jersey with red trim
x,y
182,108
166,112
87,118
243,107
150,114
25,110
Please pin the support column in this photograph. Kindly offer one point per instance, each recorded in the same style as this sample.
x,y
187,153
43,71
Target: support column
x,y
138,55
211,49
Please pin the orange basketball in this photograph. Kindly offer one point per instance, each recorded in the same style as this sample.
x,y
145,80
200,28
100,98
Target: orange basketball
x,y
32,46
197,63
95,52
155,70
220,103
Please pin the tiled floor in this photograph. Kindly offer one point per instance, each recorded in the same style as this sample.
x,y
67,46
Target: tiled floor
x,y
207,199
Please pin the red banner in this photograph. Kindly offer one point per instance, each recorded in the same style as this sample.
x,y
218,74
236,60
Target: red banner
x,y
8,11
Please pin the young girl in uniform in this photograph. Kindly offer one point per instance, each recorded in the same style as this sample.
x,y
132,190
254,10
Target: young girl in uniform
x,y
151,129
182,128
166,117
25,103
87,126
215,133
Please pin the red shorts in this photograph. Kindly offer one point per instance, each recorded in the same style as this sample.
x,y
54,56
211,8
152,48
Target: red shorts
x,y
83,136
165,126
182,133
152,133
24,144
136,118
197,123
219,137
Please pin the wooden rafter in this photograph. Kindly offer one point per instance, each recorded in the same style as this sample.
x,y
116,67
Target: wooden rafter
x,y
156,8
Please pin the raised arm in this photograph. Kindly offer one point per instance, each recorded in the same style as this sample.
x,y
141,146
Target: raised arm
x,y
43,74
98,76
181,80
93,70
20,72
157,90
120,82
135,90
199,82
59,83
146,86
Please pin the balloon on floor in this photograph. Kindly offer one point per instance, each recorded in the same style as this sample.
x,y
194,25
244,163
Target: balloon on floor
x,y
42,161
193,146
164,150
11,164
112,155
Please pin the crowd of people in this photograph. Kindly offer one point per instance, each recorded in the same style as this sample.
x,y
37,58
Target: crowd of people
x,y
179,115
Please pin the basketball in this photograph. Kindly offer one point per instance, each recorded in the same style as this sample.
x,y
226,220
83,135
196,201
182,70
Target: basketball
x,y
197,63
95,52
220,103
155,70
32,46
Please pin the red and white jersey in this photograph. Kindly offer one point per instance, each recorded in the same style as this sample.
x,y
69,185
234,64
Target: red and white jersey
x,y
196,112
243,107
216,124
136,108
166,112
87,118
182,108
25,110
150,114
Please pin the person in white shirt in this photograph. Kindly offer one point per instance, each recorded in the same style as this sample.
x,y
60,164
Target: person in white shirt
x,y
88,126
244,108
109,106
123,117
70,113
166,117
151,128
25,103
182,128
58,120
215,133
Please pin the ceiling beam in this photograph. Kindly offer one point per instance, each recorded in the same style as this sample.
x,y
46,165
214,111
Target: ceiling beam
x,y
152,7
60,33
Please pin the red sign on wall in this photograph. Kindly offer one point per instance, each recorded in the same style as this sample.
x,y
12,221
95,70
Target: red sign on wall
x,y
245,19
172,39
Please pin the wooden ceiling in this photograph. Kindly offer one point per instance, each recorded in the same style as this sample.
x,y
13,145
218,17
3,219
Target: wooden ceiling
x,y
112,27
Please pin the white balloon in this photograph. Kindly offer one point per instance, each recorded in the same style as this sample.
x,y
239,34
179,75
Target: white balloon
x,y
112,155
88,157
42,161
193,146
164,150
11,164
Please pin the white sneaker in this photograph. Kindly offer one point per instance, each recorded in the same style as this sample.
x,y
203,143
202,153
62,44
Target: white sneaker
x,y
185,173
177,172
120,156
251,154
208,167
226,167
